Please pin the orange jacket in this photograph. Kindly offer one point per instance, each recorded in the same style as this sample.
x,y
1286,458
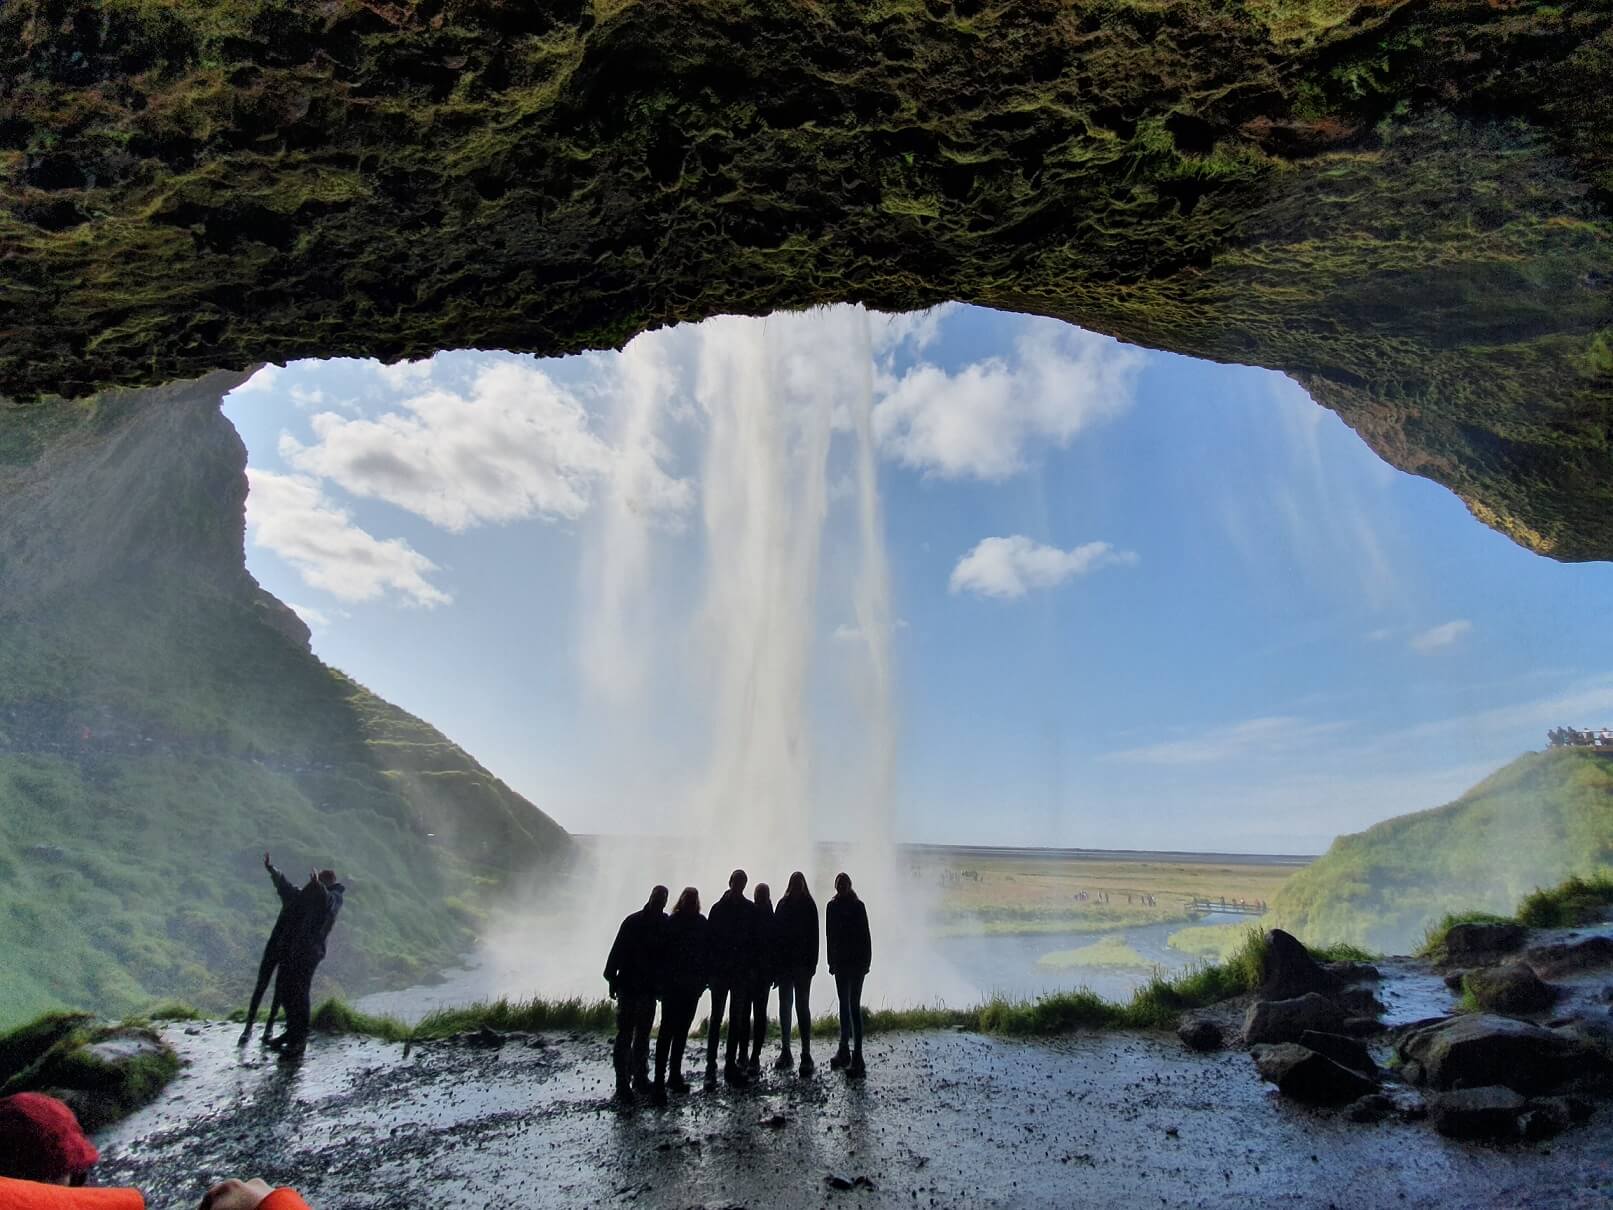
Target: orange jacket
x,y
31,1195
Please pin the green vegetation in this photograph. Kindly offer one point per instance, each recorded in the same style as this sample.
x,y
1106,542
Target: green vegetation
x,y
1287,182
1433,942
1213,942
103,1071
162,722
1110,951
1544,818
528,1016
1577,901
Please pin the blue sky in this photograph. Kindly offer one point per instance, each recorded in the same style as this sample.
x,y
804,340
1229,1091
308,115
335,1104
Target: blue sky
x,y
1134,600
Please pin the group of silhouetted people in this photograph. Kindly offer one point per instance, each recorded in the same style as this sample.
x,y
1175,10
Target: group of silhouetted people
x,y
294,951
740,952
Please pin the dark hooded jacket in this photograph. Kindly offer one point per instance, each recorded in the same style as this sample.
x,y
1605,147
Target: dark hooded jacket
x,y
845,925
766,967
684,962
634,958
287,890
311,918
731,939
795,933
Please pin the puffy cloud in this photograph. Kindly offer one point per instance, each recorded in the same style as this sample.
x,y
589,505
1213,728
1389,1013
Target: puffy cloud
x,y
314,617
1011,567
261,382
978,421
1439,636
289,515
517,445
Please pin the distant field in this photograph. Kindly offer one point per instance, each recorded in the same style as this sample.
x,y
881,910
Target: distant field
x,y
1027,892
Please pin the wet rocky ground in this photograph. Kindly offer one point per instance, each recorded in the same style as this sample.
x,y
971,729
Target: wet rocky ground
x,y
943,1119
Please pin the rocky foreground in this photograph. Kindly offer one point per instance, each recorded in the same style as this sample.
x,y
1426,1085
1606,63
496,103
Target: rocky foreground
x,y
1378,1108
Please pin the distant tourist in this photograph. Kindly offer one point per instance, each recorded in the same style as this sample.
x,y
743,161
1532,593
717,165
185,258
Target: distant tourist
x,y
272,950
766,973
851,949
307,932
631,971
795,952
682,973
45,1162
731,939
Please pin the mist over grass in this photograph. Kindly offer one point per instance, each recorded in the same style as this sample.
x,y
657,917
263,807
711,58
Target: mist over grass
x,y
1542,819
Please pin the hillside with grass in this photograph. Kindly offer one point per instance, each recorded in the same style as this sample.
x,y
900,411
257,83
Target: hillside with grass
x,y
1543,818
163,722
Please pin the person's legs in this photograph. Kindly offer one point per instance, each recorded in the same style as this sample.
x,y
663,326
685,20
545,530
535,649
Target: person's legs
x,y
758,1020
621,1052
803,1010
856,995
643,1023
843,990
786,1001
738,1025
719,998
296,984
663,1040
271,959
677,1015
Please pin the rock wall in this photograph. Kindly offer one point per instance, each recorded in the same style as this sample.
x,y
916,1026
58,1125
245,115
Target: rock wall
x,y
163,721
1404,203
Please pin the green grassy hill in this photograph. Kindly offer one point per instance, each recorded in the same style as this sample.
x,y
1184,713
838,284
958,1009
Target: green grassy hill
x,y
1544,817
163,721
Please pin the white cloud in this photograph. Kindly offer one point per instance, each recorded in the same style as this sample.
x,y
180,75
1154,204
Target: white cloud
x,y
289,515
915,329
314,617
262,381
1439,636
978,421
1253,737
305,397
518,445
402,375
1011,567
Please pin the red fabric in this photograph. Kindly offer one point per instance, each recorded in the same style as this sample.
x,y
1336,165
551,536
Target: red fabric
x,y
30,1195
283,1199
40,1139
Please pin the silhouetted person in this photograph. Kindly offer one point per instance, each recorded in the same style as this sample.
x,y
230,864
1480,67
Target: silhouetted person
x,y
272,950
766,972
681,979
851,951
313,915
631,971
731,944
795,951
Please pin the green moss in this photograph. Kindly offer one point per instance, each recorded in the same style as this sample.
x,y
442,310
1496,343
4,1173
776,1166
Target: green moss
x,y
1574,902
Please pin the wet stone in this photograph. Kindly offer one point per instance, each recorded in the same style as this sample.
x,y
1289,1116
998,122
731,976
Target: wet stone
x,y
1305,1075
1200,1033
1374,1107
1512,988
1289,970
1285,1020
1491,1112
1570,957
1481,1049
1341,1049
1475,943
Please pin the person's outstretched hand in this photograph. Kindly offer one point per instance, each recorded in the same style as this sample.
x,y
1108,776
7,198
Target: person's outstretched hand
x,y
236,1195
267,864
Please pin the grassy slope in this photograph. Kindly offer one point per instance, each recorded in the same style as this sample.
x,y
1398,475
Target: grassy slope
x,y
162,722
1403,202
1532,824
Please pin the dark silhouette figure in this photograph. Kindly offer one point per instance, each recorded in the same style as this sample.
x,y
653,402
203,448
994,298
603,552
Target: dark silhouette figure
x,y
313,915
731,944
766,973
795,953
272,951
682,977
851,951
631,971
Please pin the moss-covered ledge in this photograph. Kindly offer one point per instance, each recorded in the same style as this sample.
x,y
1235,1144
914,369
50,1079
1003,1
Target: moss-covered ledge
x,y
1404,203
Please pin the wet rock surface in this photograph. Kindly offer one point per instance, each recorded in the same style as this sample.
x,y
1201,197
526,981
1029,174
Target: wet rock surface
x,y
1286,1020
1308,1076
958,1118
1483,1049
1476,943
1512,988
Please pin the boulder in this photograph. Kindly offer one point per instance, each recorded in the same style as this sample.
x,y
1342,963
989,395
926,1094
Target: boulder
x,y
1374,1107
1512,988
1546,1117
1491,1112
1200,1033
1286,1020
1362,1027
1358,1002
103,1072
1303,1074
1477,943
1481,1049
1290,971
1353,972
1341,1049
1570,957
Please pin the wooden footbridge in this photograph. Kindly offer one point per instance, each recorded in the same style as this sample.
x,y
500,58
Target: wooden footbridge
x,y
1241,907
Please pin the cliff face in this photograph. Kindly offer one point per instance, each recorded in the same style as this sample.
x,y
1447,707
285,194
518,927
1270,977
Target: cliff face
x,y
163,721
1404,203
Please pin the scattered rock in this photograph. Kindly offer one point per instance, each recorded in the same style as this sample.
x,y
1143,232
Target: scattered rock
x,y
1569,957
1200,1033
1473,944
1482,1049
1341,1049
1490,1112
487,1038
1285,1020
1362,1027
1374,1107
777,1122
844,1183
1512,988
1353,972
1290,971
1303,1074
1358,1002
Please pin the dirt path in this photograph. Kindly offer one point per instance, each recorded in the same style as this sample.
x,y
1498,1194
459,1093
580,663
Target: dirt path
x,y
942,1120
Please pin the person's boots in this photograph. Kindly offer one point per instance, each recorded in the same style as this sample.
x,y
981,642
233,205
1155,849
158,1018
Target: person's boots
x,y
658,1092
734,1076
754,1067
678,1084
784,1062
642,1084
807,1066
711,1073
841,1057
856,1071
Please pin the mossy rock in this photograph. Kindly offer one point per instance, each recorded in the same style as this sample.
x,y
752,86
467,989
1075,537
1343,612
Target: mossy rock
x,y
23,1047
105,1072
